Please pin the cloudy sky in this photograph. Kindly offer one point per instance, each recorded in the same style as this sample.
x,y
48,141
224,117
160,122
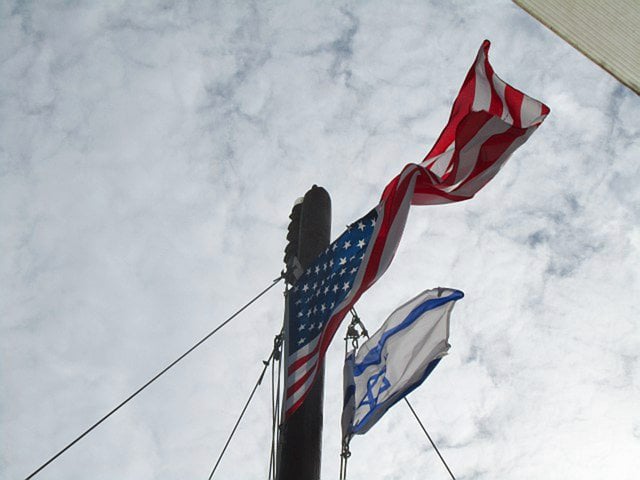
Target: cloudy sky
x,y
150,153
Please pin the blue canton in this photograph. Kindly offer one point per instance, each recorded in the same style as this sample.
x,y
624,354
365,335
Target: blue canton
x,y
325,284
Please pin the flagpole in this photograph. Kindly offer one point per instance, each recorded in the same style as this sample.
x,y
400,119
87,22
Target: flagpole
x,y
300,436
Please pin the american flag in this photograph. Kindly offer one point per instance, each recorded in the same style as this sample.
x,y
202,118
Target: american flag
x,y
318,302
489,121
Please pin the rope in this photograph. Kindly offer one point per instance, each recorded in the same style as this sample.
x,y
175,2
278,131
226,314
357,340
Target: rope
x,y
276,348
275,409
344,458
429,437
158,375
352,334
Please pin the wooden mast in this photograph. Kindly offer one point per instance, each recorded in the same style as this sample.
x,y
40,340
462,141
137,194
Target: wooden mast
x,y
300,437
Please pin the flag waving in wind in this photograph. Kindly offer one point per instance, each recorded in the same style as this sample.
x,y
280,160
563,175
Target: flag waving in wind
x,y
396,359
488,122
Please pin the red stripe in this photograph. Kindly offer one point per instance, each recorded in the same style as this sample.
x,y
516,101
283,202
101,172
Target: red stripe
x,y
295,406
466,131
492,151
493,148
298,383
545,109
332,326
495,107
427,189
391,202
302,360
461,106
325,337
514,99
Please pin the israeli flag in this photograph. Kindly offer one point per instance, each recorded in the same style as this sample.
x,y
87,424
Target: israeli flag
x,y
396,359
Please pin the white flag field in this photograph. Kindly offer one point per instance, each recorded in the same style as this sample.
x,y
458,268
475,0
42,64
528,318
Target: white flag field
x,y
396,359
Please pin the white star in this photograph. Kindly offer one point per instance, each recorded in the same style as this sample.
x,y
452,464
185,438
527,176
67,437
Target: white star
x,y
362,257
299,314
347,244
345,287
361,244
306,287
343,260
360,226
336,287
301,341
332,304
326,289
331,263
295,289
343,271
300,328
317,269
324,267
373,222
309,313
334,246
311,326
315,285
353,270
323,307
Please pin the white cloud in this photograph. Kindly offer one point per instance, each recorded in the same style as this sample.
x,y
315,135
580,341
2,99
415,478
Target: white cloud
x,y
149,157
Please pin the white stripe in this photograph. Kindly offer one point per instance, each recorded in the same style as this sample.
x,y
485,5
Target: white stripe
x,y
306,350
500,87
482,96
302,370
298,394
440,164
407,171
472,186
530,109
530,112
397,227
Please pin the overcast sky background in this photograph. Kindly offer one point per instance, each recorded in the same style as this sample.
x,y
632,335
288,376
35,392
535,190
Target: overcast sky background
x,y
150,153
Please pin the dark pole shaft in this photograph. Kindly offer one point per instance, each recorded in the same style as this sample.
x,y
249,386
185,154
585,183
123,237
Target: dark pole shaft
x,y
300,439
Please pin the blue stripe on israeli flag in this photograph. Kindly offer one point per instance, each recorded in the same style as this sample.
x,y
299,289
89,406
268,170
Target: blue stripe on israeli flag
x,y
397,358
